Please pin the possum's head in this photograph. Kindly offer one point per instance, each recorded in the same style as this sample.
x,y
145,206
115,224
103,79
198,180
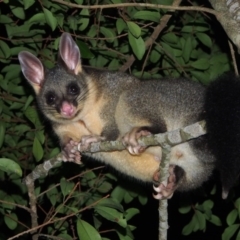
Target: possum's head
x,y
60,91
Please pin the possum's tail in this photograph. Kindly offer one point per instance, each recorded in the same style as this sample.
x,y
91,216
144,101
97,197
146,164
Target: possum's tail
x,y
223,125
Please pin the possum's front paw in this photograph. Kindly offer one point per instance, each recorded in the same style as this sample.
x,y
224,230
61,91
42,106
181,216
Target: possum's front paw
x,y
87,140
166,189
70,152
130,140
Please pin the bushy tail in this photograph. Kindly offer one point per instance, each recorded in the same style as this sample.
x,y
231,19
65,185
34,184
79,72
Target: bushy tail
x,y
223,125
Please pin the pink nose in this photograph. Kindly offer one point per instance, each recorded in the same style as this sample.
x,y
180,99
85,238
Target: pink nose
x,y
67,109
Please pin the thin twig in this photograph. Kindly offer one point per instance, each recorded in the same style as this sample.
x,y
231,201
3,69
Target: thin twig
x,y
233,58
144,5
58,219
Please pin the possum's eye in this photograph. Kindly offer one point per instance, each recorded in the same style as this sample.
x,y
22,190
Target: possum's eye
x,y
73,89
50,98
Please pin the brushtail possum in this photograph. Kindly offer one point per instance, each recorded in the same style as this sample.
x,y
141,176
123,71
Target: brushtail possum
x,y
86,105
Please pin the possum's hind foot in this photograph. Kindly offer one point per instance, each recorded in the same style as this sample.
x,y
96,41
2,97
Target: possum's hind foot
x,y
130,140
165,190
87,140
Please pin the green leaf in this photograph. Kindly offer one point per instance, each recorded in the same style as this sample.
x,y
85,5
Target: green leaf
x,y
208,213
193,28
28,3
229,232
137,45
66,187
108,33
14,89
204,39
28,102
4,49
208,204
128,197
237,205
131,212
50,19
18,12
214,190
223,58
147,15
64,236
196,225
22,30
134,29
37,149
121,25
201,28
238,236
92,32
86,231
142,199
11,220
112,203
184,209
37,18
200,76
16,105
232,216
40,136
167,49
170,38
118,193
104,187
187,49
100,61
2,133
32,115
201,64
201,220
111,215
188,229
154,56
123,237
72,22
85,52
53,194
7,202
215,220
114,65
5,19
54,152
9,166
84,20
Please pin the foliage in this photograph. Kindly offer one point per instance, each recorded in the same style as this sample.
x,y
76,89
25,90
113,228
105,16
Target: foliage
x,y
73,201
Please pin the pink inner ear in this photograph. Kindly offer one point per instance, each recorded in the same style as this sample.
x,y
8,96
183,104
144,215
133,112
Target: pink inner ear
x,y
31,67
69,52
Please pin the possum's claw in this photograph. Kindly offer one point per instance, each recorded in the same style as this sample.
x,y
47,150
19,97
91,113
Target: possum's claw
x,y
224,193
130,140
165,189
70,152
87,140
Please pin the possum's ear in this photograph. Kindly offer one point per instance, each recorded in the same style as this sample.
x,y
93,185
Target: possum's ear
x,y
32,69
70,53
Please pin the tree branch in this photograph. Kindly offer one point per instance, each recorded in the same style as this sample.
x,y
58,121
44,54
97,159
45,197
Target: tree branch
x,y
229,19
166,139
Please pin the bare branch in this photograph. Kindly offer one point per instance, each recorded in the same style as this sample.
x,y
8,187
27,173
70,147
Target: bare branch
x,y
145,5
